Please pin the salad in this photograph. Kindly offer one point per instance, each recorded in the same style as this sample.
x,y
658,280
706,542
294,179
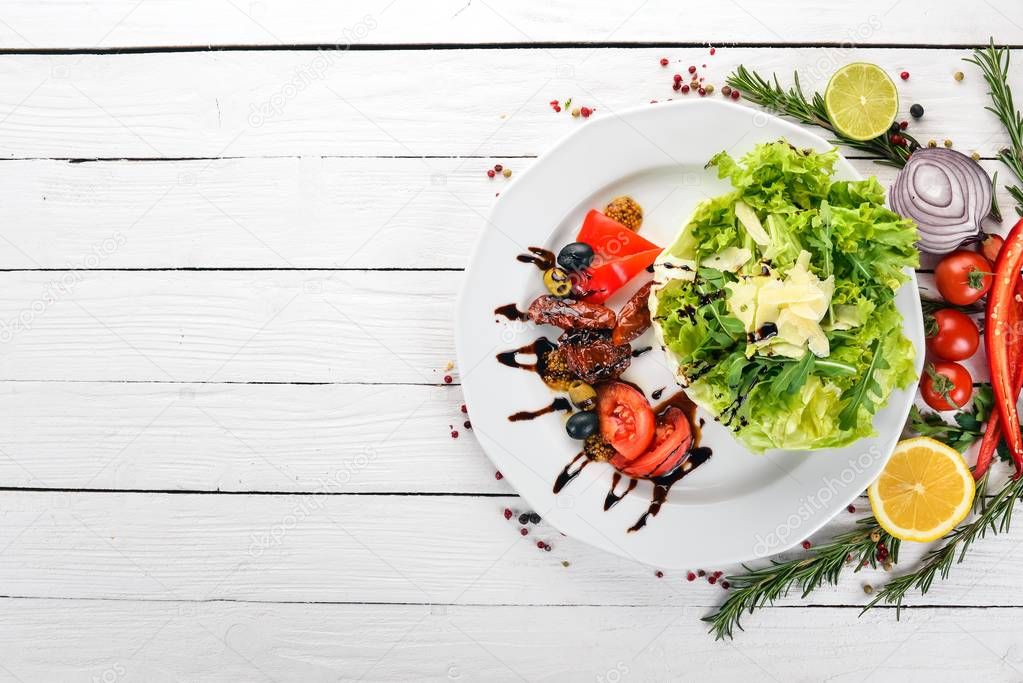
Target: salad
x,y
775,305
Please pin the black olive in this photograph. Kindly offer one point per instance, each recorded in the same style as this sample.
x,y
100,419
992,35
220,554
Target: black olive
x,y
524,518
916,111
583,424
575,257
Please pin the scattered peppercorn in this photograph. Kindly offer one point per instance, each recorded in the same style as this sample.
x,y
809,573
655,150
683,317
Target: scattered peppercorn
x,y
524,518
851,508
904,75
959,75
677,78
875,536
726,90
547,547
903,125
454,434
575,111
523,531
490,173
676,86
467,424
712,580
464,409
690,577
701,573
539,544
564,563
709,88
932,143
507,513
534,518
685,89
717,574
498,476
702,91
806,545
659,574
712,51
726,585
664,61
975,156
691,69
897,140
848,558
868,589
506,173
887,566
585,111
498,167
947,143
735,94
916,111
448,379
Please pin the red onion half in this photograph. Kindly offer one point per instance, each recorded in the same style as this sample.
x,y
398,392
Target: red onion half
x,y
947,193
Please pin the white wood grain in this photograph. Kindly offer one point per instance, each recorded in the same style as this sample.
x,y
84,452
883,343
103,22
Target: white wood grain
x,y
167,641
193,22
434,102
423,549
239,437
306,212
284,326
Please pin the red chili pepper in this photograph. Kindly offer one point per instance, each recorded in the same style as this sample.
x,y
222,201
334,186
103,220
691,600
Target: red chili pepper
x,y
999,335
993,430
601,282
610,239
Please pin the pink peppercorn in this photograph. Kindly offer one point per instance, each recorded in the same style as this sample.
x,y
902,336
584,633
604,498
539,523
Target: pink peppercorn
x,y
903,125
676,86
498,168
523,531
904,75
712,580
726,585
664,61
498,476
677,78
585,112
454,434
734,95
659,574
464,409
851,508
448,379
702,92
806,545
712,51
690,577
490,173
692,69
507,513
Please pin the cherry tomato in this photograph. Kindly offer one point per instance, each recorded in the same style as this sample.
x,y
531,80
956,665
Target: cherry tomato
x,y
946,380
991,247
952,335
963,277
673,436
626,419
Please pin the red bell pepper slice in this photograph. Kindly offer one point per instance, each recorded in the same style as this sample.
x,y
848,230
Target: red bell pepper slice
x,y
599,283
999,336
610,239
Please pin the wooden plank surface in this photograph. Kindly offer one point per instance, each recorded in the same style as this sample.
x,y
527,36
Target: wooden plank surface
x,y
124,23
435,102
392,549
307,212
168,641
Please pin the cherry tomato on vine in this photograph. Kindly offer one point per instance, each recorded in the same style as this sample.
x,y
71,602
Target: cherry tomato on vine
x,y
951,334
946,385
963,277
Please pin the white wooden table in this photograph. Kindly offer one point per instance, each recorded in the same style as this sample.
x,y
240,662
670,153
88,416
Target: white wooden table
x,y
229,250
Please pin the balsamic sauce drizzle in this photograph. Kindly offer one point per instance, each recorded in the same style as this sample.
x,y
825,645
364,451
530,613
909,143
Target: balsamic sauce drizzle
x,y
560,403
613,498
511,312
541,258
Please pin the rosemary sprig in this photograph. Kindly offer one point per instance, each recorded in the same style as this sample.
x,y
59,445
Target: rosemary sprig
x,y
759,587
994,515
794,104
994,64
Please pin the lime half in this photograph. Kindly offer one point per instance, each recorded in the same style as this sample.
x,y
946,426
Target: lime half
x,y
861,101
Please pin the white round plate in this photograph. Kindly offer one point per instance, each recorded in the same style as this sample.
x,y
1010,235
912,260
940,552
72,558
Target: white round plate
x,y
737,506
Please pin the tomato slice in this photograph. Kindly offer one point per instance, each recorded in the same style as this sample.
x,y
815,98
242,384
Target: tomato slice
x,y
626,419
603,281
610,239
673,436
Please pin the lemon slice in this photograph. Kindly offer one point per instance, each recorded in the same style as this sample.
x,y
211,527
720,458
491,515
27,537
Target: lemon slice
x,y
861,101
923,492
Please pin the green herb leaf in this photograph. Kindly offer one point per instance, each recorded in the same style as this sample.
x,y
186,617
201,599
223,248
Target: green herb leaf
x,y
863,392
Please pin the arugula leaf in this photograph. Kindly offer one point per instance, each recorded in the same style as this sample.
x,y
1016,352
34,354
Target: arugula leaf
x,y
866,392
793,376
